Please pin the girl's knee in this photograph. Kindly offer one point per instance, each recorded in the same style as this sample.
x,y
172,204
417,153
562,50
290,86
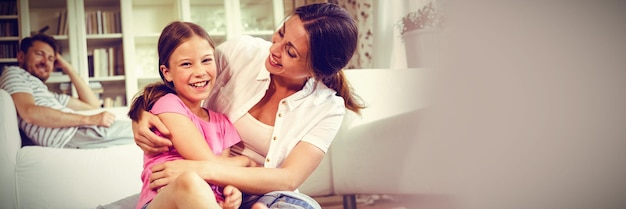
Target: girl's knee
x,y
190,182
258,205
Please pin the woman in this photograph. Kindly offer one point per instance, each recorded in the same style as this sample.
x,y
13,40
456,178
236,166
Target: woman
x,y
287,100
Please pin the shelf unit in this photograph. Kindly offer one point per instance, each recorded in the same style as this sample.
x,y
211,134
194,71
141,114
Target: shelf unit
x,y
135,36
9,32
102,48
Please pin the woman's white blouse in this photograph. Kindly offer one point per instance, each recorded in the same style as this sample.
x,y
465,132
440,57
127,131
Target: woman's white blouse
x,y
313,114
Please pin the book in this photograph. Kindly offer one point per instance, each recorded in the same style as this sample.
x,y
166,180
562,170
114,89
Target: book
x,y
119,61
98,29
96,63
90,64
65,25
62,23
101,63
111,61
104,62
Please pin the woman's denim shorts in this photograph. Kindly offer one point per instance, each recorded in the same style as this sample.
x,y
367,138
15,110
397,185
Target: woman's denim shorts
x,y
288,200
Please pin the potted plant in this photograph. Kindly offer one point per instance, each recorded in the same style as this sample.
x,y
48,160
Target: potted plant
x,y
419,34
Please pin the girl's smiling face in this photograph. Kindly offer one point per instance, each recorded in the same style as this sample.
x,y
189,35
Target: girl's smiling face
x,y
192,70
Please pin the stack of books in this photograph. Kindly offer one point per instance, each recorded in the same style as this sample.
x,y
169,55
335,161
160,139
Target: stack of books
x,y
103,22
105,62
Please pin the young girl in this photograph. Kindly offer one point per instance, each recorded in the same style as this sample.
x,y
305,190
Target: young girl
x,y
188,71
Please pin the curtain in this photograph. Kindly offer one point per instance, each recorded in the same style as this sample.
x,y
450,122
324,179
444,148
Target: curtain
x,y
361,11
290,5
389,48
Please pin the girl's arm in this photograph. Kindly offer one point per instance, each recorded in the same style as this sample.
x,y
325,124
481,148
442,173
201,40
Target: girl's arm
x,y
190,143
186,138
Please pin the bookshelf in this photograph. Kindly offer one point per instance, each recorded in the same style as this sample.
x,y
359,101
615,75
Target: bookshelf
x,y
103,45
9,32
113,43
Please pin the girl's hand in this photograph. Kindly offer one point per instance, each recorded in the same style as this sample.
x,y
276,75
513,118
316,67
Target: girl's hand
x,y
167,172
232,198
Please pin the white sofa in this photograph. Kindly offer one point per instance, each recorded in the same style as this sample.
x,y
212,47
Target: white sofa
x,y
42,177
369,155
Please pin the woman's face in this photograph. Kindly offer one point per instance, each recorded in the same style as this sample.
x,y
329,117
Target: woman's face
x,y
192,70
289,54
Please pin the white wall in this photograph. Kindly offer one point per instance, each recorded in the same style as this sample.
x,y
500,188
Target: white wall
x,y
529,110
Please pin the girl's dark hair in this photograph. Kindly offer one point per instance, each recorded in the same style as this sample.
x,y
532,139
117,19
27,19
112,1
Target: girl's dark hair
x,y
171,37
333,40
26,43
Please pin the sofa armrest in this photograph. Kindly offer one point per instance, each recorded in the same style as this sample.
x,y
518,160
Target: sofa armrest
x,y
374,158
10,140
10,143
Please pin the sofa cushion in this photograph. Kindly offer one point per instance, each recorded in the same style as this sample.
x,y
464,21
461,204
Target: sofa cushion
x,y
77,178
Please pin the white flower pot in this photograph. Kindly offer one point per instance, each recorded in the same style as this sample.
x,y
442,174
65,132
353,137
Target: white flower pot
x,y
422,48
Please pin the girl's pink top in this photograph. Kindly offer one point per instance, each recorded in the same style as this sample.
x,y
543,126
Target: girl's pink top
x,y
219,133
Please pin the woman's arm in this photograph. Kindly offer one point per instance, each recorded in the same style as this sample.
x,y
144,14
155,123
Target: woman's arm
x,y
239,160
146,139
299,164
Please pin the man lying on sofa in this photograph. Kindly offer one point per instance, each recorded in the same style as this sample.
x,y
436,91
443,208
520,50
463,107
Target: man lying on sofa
x,y
50,119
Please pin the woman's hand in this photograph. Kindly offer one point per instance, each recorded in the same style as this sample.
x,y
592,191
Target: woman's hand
x,y
232,197
167,172
146,139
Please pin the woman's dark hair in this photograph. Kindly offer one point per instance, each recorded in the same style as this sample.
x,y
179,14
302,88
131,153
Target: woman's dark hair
x,y
333,40
171,37
26,43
